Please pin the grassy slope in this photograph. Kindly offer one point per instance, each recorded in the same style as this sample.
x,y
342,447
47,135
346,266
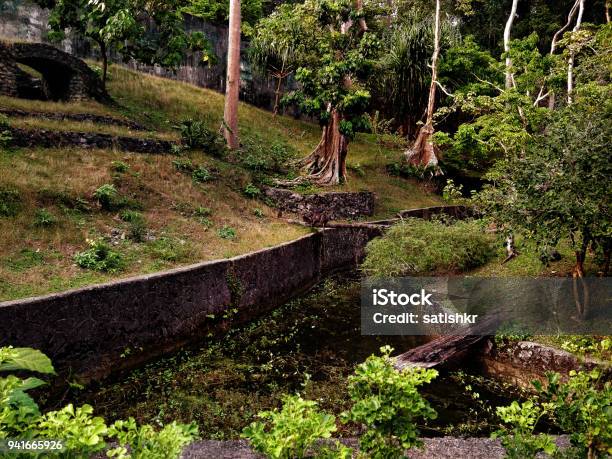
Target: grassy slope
x,y
36,259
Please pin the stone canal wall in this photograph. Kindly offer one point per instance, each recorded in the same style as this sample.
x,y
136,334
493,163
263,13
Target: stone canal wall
x,y
96,330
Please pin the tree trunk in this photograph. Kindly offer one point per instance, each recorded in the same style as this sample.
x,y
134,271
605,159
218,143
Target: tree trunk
x,y
553,45
232,87
104,54
326,165
277,95
581,300
507,31
570,63
607,11
423,152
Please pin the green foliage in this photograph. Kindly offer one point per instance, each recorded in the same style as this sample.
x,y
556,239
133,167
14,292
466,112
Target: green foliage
x,y
145,443
217,12
581,407
258,213
291,432
596,346
169,249
108,197
260,156
200,175
452,192
10,202
227,232
519,440
44,218
82,434
100,257
387,402
251,191
150,33
183,165
416,247
137,225
555,187
195,134
333,58
119,166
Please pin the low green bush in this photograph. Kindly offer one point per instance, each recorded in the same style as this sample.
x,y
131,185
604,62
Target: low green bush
x,y
421,247
44,218
183,165
169,249
260,156
195,134
119,166
100,257
519,439
10,202
388,403
82,434
137,225
251,191
200,175
227,232
294,431
108,197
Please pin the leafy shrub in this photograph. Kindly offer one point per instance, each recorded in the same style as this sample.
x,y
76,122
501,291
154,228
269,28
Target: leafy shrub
x,y
519,440
183,165
417,246
582,407
119,166
293,431
227,232
109,198
411,171
596,346
82,434
258,213
137,228
452,192
251,191
169,249
146,443
201,214
195,134
260,156
201,175
10,202
387,402
44,218
100,257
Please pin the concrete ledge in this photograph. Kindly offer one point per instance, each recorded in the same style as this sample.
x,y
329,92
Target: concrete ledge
x,y
433,448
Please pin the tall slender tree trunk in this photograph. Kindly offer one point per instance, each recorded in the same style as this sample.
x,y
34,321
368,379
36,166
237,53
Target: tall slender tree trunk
x,y
104,55
507,36
553,44
607,7
572,57
423,152
232,86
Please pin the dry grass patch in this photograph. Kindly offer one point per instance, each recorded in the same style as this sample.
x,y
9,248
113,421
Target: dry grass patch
x,y
44,106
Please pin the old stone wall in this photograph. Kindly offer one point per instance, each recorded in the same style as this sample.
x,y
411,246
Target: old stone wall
x,y
31,138
335,205
85,331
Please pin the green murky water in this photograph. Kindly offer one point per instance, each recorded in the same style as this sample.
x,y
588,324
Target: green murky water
x,y
223,384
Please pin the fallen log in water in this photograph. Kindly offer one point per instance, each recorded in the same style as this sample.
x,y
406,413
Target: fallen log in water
x,y
447,349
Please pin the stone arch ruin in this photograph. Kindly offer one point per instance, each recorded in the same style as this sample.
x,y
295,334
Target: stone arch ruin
x,y
58,75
